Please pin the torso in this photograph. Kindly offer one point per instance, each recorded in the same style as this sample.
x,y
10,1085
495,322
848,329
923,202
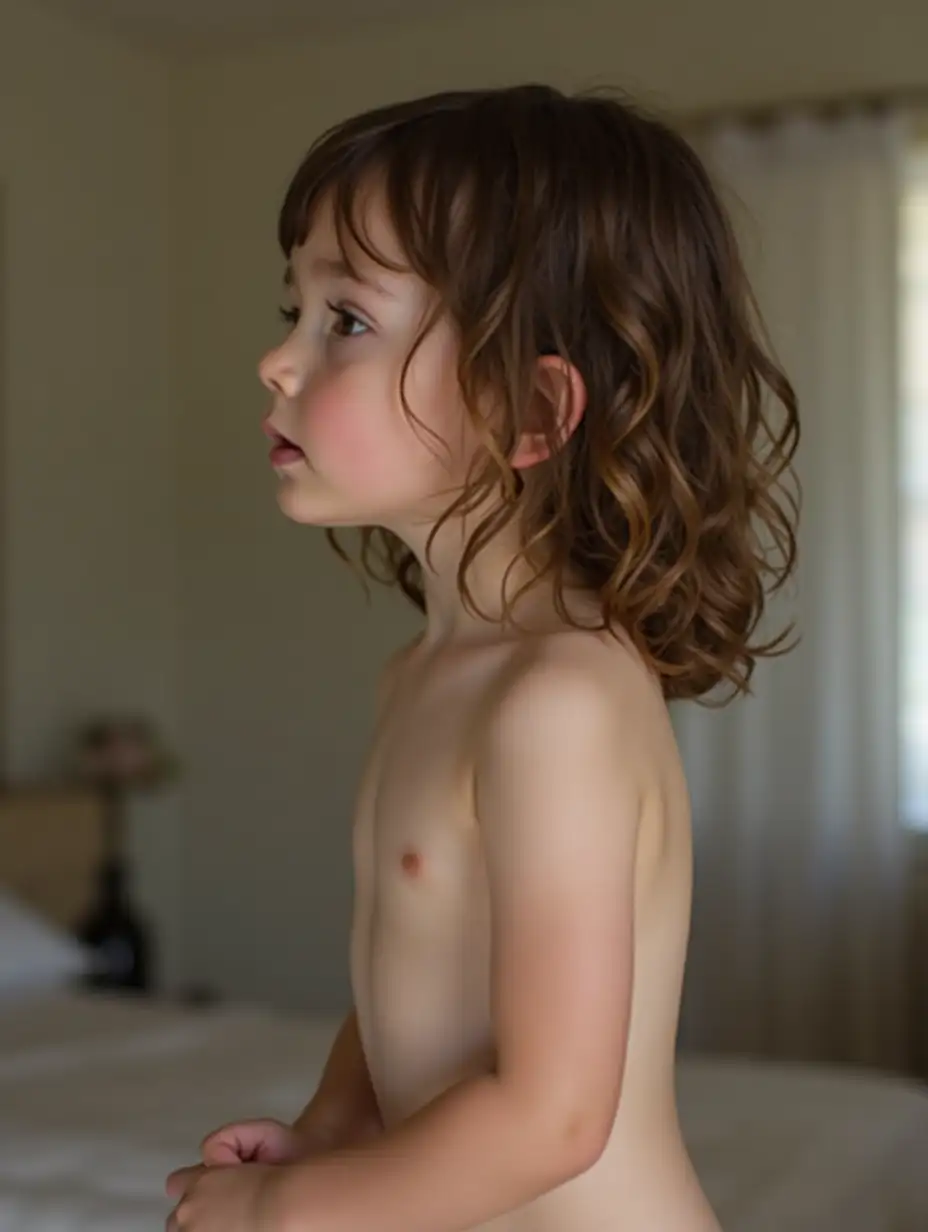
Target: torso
x,y
420,946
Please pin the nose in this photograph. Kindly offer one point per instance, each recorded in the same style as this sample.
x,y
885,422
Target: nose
x,y
278,372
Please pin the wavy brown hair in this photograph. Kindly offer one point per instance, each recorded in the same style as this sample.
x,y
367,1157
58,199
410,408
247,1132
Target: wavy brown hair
x,y
579,226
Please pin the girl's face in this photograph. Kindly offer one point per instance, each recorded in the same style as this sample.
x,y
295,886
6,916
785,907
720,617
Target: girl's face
x,y
343,447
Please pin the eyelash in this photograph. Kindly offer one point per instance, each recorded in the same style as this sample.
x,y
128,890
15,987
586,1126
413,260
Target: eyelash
x,y
343,315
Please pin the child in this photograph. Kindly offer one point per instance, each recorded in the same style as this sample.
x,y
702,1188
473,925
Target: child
x,y
523,360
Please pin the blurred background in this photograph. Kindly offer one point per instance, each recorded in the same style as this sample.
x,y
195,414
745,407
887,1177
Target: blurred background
x,y
144,567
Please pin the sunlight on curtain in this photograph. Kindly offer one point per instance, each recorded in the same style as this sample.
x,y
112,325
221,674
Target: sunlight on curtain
x,y
798,924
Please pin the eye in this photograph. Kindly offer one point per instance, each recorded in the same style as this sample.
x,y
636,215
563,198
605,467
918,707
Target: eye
x,y
347,323
290,315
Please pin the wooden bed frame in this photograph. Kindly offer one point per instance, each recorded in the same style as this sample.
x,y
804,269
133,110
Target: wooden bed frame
x,y
51,844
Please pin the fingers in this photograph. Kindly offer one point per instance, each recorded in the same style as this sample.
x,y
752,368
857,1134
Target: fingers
x,y
180,1181
176,1221
246,1142
222,1151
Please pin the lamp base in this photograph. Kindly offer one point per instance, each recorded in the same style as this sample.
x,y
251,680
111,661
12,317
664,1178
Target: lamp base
x,y
118,938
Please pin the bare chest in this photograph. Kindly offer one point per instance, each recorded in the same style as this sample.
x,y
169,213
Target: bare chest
x,y
414,827
420,946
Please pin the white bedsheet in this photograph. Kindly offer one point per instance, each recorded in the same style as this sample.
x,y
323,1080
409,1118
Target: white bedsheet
x,y
796,1149
99,1100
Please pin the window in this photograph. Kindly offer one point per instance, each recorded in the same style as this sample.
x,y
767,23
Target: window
x,y
914,445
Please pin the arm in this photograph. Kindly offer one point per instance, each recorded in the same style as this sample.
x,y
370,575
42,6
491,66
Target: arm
x,y
344,1108
558,807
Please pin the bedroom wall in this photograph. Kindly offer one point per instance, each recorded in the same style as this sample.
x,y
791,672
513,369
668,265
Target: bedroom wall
x,y
279,652
88,575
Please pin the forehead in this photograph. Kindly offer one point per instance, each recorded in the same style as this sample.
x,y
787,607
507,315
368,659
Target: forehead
x,y
374,253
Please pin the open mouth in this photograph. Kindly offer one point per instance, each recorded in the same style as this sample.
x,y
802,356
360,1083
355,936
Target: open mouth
x,y
284,452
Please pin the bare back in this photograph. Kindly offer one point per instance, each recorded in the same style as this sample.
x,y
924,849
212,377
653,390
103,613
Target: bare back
x,y
421,936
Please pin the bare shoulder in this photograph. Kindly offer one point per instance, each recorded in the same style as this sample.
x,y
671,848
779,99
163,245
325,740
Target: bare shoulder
x,y
575,685
576,725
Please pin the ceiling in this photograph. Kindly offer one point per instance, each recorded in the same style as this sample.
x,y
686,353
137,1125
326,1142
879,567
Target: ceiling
x,y
222,21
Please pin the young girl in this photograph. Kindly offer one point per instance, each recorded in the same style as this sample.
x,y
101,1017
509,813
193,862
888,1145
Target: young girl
x,y
523,360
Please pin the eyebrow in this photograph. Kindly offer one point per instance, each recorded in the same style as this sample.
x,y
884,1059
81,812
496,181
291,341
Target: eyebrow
x,y
338,267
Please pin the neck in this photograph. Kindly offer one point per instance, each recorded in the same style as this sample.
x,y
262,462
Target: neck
x,y
498,570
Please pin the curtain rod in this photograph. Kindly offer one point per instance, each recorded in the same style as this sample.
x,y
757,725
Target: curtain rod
x,y
914,98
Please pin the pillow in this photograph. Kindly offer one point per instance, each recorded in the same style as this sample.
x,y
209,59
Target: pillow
x,y
35,955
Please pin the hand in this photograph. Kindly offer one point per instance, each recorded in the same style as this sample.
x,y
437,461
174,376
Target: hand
x,y
229,1199
262,1141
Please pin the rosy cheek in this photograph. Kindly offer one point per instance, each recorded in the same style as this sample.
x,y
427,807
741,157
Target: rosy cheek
x,y
348,433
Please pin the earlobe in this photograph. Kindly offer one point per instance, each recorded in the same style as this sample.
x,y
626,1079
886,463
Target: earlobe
x,y
560,396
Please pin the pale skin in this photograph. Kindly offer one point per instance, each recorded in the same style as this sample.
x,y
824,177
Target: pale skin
x,y
522,853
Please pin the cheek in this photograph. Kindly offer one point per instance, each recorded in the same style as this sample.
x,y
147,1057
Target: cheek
x,y
354,431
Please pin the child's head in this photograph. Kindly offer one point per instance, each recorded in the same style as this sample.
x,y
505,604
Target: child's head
x,y
523,311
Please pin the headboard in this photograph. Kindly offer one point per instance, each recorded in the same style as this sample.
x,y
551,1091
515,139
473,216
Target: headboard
x,y
51,843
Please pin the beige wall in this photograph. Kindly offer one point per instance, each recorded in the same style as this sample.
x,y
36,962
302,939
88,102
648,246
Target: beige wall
x,y
280,653
88,553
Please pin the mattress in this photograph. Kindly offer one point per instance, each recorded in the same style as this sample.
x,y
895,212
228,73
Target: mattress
x,y
100,1098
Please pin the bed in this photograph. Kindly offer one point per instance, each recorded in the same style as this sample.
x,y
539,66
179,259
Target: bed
x,y
100,1097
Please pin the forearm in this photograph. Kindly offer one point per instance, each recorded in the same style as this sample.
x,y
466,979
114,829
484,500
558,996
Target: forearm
x,y
344,1106
468,1157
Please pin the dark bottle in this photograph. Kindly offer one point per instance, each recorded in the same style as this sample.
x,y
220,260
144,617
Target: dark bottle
x,y
116,935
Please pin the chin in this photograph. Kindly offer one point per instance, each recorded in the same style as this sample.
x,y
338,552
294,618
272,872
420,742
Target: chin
x,y
312,509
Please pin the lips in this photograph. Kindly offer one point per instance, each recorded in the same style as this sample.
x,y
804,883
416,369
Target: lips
x,y
284,452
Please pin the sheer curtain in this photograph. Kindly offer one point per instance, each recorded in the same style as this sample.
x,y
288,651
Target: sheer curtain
x,y
798,928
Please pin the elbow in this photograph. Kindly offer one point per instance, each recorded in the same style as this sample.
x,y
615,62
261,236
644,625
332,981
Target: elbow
x,y
559,1139
583,1142
573,1144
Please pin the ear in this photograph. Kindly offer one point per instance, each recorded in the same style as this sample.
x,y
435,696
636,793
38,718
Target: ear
x,y
559,399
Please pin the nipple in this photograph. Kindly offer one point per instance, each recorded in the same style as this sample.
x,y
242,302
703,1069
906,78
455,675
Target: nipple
x,y
411,862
